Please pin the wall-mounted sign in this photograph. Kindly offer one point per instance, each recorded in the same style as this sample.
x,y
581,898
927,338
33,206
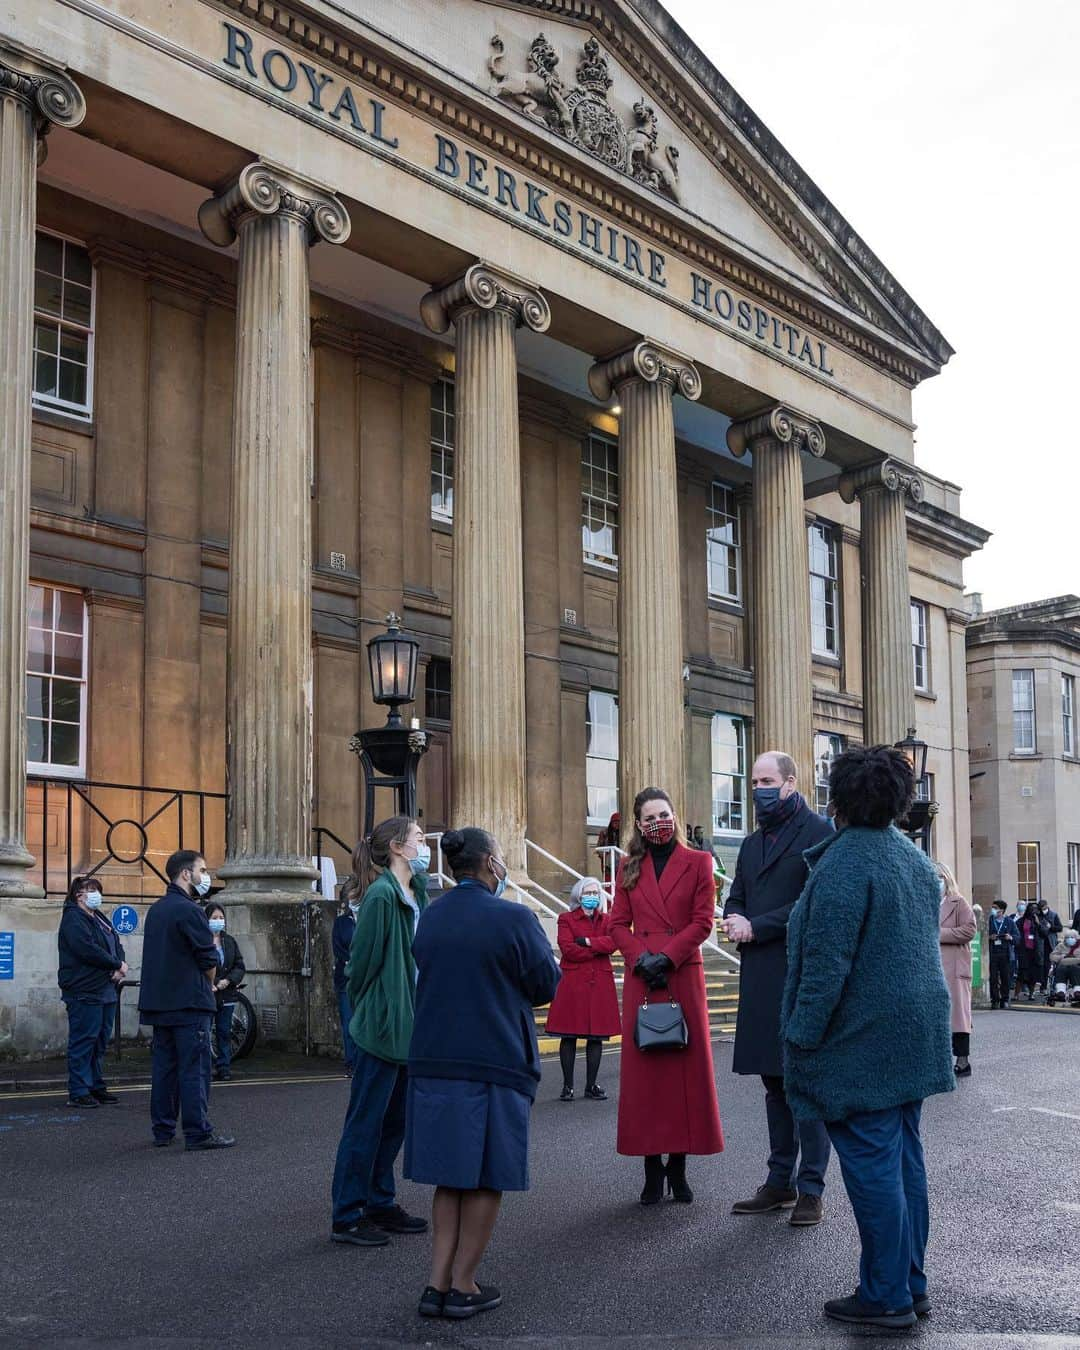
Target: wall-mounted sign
x,y
7,956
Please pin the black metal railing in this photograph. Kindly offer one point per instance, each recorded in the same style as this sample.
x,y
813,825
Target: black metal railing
x,y
129,824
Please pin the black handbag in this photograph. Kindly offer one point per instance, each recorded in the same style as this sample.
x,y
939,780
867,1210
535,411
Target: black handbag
x,y
661,1026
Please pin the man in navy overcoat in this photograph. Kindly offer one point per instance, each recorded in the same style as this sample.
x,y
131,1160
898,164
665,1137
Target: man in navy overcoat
x,y
769,877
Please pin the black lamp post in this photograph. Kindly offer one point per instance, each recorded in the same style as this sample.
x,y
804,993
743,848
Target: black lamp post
x,y
390,754
923,810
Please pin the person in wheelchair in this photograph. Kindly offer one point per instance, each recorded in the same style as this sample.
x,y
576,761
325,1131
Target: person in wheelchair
x,y
1063,982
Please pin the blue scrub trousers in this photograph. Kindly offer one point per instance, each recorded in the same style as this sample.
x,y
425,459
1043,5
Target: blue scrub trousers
x,y
371,1140
180,1079
345,1012
223,1031
89,1028
788,1139
881,1158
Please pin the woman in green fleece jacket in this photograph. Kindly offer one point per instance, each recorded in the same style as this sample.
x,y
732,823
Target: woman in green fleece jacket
x,y
389,879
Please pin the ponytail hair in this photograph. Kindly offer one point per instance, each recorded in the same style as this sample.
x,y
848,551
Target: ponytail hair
x,y
636,847
371,856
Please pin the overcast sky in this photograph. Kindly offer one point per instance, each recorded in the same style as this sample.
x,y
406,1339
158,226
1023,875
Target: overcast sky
x,y
948,133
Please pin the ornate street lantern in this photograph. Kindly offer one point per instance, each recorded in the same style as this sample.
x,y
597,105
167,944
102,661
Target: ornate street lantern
x,y
916,752
920,818
392,661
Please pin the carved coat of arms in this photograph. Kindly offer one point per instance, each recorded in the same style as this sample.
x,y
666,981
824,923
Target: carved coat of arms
x,y
582,114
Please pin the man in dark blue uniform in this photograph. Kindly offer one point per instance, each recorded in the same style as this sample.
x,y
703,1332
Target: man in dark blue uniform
x,y
769,877
176,998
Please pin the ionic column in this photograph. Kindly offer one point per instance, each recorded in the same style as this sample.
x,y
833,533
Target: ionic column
x,y
33,97
783,688
485,306
276,216
884,490
645,379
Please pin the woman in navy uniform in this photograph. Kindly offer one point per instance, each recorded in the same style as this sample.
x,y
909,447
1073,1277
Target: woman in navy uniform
x,y
341,936
90,970
230,973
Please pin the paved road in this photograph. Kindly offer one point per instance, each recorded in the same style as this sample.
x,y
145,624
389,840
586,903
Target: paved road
x,y
108,1242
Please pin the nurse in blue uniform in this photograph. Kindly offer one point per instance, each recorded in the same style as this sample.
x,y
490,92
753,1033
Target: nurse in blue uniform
x,y
91,967
483,964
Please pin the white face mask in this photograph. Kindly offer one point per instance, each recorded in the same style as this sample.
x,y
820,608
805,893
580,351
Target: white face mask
x,y
92,899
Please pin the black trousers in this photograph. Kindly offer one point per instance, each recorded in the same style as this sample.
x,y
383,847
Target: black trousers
x,y
791,1142
1000,973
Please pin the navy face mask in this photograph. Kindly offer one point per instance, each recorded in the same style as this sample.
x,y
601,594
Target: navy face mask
x,y
766,800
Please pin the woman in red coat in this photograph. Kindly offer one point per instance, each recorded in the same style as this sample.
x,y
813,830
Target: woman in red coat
x,y
664,905
585,1003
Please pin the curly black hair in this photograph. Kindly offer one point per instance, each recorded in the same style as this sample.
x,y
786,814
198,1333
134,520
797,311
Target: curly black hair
x,y
871,786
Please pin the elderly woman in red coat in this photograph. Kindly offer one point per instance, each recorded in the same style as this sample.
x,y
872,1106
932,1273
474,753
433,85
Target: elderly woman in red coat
x,y
585,1003
664,906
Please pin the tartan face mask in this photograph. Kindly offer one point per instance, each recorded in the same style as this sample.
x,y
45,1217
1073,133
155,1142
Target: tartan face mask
x,y
658,831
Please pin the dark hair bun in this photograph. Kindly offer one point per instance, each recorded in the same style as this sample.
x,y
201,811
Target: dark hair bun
x,y
453,842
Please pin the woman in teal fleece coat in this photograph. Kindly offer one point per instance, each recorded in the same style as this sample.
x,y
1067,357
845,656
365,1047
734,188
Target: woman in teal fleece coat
x,y
866,1023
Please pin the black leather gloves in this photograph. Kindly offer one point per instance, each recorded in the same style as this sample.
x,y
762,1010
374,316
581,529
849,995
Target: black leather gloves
x,y
581,942
653,967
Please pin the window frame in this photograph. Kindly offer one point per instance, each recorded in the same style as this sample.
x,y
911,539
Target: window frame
x,y
1023,865
437,663
920,652
837,744
42,768
830,586
736,778
1068,714
82,412
595,818
606,508
1072,877
443,449
732,550
1017,748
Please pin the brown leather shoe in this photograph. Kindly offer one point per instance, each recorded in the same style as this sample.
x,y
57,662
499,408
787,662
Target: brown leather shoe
x,y
808,1211
766,1200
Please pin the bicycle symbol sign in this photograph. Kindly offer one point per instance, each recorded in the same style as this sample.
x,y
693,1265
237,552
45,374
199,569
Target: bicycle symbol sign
x,y
125,919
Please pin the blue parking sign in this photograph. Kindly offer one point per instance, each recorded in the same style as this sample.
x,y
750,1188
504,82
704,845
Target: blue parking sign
x,y
7,956
125,919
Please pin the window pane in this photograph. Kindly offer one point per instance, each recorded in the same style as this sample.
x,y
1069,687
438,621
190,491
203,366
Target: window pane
x,y
39,651
36,695
46,337
35,741
66,700
67,655
73,347
48,253
47,291
65,744
45,375
69,617
35,610
72,383
77,304
77,265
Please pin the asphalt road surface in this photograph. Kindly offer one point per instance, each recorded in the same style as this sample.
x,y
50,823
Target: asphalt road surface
x,y
109,1242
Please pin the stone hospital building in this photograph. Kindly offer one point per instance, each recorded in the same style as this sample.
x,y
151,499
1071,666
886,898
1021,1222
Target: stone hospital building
x,y
512,318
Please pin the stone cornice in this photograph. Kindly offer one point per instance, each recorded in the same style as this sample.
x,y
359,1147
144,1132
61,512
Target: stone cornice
x,y
338,46
886,475
647,361
484,286
779,425
264,189
160,267
951,534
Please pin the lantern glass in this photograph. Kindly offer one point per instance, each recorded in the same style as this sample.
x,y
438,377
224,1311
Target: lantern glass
x,y
916,752
392,660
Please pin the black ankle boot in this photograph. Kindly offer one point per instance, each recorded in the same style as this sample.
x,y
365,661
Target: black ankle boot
x,y
676,1178
653,1191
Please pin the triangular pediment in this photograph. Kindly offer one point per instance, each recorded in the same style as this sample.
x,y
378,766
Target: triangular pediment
x,y
621,84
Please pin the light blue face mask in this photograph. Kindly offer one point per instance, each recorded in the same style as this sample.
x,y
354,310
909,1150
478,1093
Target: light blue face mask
x,y
92,899
500,885
217,925
590,902
422,861
202,886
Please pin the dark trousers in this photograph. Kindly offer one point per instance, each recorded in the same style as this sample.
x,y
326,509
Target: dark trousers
x,y
180,1080
89,1028
371,1140
999,973
788,1139
223,1035
345,1011
881,1159
1030,972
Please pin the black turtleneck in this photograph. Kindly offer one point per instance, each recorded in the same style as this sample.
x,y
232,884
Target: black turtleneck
x,y
660,854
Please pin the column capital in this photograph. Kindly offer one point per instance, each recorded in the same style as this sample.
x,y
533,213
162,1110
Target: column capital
x,y
487,287
649,362
779,425
888,475
51,94
264,189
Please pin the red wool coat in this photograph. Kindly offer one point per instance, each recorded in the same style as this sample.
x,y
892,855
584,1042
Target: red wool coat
x,y
667,1098
585,1003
